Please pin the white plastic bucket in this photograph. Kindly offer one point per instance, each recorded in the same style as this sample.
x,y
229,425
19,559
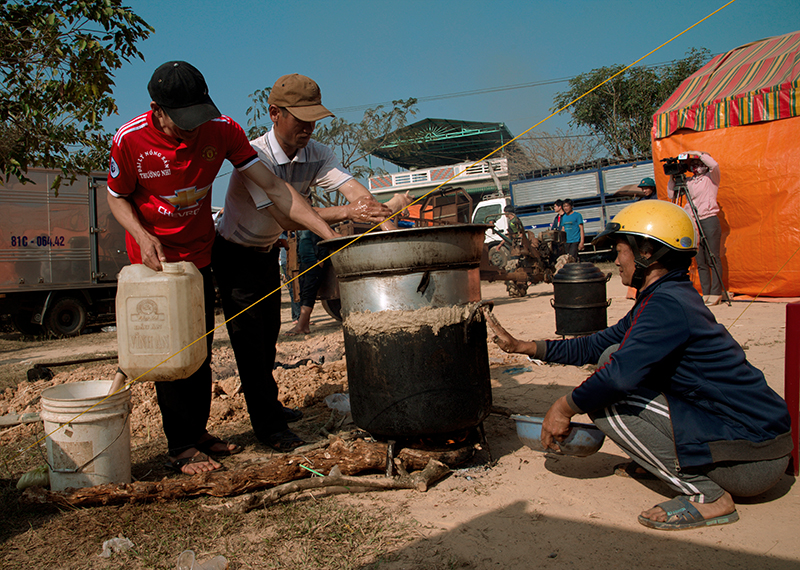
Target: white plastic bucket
x,y
159,314
93,448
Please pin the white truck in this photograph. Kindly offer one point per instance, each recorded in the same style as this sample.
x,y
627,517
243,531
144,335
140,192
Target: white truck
x,y
490,211
59,254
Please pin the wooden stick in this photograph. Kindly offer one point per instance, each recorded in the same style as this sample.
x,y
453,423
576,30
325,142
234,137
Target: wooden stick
x,y
351,458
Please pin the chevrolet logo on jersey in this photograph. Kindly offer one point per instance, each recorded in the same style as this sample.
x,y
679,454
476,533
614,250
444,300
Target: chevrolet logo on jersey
x,y
187,198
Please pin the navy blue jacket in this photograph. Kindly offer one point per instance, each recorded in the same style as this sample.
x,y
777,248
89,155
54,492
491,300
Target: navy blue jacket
x,y
721,406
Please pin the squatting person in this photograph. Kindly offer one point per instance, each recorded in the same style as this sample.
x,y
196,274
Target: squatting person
x,y
672,387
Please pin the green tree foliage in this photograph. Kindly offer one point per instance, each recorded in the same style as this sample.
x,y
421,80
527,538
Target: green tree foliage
x,y
57,59
620,112
353,142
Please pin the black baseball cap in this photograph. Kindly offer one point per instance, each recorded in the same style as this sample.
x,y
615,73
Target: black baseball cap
x,y
180,89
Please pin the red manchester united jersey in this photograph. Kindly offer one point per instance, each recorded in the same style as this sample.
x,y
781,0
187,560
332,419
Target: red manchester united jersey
x,y
169,182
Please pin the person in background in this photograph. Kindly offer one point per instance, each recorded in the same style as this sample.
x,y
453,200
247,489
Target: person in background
x,y
703,187
162,166
283,245
558,208
515,225
309,252
648,188
572,223
245,258
672,388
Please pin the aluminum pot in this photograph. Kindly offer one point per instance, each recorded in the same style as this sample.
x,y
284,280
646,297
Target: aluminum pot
x,y
408,269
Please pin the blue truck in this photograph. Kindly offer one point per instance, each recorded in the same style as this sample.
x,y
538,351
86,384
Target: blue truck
x,y
593,191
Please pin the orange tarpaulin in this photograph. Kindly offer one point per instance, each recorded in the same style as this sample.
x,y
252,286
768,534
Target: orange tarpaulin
x,y
759,194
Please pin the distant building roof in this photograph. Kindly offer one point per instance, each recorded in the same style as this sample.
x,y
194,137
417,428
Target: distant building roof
x,y
438,142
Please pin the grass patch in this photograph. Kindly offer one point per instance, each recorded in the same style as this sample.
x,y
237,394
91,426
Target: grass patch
x,y
329,533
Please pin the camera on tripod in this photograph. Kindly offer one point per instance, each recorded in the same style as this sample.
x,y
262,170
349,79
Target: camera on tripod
x,y
676,165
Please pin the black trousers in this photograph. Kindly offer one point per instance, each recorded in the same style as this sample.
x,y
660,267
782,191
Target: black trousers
x,y
244,277
572,249
185,404
709,280
309,252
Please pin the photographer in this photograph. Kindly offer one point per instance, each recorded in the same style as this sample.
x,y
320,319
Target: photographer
x,y
703,187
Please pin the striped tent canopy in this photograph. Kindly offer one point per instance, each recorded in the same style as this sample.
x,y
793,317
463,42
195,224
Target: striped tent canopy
x,y
753,83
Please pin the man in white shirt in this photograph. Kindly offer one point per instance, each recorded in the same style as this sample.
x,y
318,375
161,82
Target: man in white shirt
x,y
245,257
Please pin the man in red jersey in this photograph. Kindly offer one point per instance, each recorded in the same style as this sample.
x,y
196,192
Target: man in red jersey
x,y
163,164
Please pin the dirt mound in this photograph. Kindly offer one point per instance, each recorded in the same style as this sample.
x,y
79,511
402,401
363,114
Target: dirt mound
x,y
306,371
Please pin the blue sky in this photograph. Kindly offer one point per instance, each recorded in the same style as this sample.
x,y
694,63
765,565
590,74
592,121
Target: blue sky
x,y
367,53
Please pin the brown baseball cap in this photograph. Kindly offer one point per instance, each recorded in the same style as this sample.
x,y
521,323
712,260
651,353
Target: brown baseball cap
x,y
300,96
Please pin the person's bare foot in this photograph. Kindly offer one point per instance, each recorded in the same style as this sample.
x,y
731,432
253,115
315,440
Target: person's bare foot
x,y
296,330
215,446
722,506
193,461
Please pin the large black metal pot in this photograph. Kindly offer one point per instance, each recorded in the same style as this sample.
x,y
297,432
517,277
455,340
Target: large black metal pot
x,y
579,298
408,376
421,381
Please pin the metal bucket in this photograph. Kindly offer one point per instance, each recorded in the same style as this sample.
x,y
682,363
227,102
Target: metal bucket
x,y
579,299
417,360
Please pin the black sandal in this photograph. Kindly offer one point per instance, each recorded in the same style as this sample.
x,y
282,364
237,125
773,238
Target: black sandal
x,y
206,445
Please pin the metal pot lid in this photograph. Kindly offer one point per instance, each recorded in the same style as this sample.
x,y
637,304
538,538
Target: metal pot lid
x,y
578,273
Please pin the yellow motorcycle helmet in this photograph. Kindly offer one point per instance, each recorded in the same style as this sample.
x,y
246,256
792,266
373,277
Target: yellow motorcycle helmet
x,y
667,227
658,220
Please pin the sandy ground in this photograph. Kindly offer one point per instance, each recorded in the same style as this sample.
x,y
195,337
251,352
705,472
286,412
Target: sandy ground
x,y
524,509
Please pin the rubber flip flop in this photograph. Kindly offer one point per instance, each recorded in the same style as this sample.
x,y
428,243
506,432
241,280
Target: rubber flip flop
x,y
683,515
206,445
632,470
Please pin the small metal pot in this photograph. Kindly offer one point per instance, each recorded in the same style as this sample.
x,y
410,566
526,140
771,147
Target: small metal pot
x,y
579,299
